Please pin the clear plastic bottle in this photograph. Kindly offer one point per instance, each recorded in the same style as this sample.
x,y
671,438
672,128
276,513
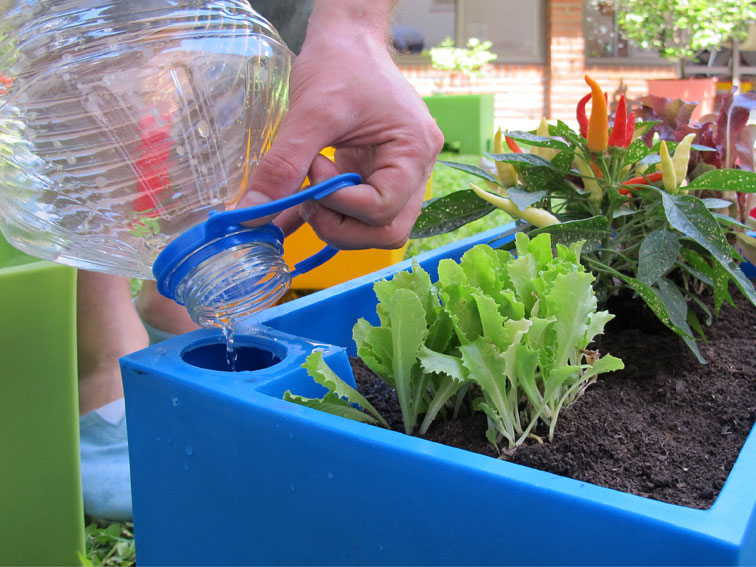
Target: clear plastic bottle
x,y
125,123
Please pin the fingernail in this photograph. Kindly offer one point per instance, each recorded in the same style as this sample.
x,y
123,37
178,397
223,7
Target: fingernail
x,y
252,198
306,209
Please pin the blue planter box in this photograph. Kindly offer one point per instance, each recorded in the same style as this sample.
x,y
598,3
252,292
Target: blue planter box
x,y
225,472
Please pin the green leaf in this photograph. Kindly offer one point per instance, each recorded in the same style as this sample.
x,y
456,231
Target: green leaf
x,y
471,169
487,368
374,348
570,301
448,213
636,151
690,216
716,203
524,160
725,180
649,296
593,230
333,404
524,199
408,332
677,308
540,141
321,373
460,305
658,254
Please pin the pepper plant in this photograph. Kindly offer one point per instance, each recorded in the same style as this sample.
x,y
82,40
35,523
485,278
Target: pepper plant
x,y
646,230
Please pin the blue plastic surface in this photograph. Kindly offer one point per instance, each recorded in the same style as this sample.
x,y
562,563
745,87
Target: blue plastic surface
x,y
749,269
226,472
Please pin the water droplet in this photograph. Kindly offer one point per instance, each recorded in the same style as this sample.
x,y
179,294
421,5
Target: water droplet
x,y
330,476
189,450
71,159
180,150
57,144
293,488
380,547
203,128
175,402
101,181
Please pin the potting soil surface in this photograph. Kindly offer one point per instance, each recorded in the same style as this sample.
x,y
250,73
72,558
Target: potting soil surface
x,y
666,427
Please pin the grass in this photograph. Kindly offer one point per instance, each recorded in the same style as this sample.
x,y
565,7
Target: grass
x,y
109,544
447,180
112,544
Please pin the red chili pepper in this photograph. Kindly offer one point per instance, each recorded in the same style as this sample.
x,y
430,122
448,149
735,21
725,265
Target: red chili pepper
x,y
582,118
512,145
630,129
619,132
640,180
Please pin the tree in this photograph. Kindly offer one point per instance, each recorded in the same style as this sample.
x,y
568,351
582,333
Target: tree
x,y
679,29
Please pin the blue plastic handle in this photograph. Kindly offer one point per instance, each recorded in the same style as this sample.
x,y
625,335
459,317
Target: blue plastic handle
x,y
220,221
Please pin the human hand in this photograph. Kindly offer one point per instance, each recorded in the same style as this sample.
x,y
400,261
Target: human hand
x,y
346,92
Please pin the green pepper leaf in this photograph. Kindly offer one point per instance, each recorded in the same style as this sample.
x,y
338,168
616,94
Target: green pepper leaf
x,y
449,212
593,230
471,169
725,180
658,253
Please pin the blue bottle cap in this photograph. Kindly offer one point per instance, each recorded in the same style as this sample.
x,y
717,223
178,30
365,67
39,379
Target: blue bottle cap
x,y
223,230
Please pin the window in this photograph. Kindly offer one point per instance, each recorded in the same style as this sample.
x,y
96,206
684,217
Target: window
x,y
516,27
604,39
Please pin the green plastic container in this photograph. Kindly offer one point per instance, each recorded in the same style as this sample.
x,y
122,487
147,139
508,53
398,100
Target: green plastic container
x,y
41,511
467,121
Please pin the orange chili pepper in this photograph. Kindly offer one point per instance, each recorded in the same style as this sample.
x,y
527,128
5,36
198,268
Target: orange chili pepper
x,y
598,124
596,170
512,145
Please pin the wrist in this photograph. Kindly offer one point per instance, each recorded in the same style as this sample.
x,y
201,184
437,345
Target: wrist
x,y
367,19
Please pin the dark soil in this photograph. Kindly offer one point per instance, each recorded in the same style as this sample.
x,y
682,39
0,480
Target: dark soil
x,y
665,427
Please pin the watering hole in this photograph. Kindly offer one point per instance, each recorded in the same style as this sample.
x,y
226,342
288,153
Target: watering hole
x,y
215,357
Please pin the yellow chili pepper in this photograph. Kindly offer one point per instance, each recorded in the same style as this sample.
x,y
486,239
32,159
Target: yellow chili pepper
x,y
535,216
598,124
588,176
682,157
669,178
545,153
505,172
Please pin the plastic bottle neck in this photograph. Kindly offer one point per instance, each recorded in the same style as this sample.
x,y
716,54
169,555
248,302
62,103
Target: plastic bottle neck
x,y
233,284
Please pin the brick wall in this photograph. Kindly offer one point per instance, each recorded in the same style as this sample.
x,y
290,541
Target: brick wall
x,y
525,93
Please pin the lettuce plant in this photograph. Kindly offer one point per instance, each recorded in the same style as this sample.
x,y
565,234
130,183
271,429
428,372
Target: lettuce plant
x,y
509,332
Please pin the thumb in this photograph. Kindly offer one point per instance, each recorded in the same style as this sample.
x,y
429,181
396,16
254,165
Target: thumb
x,y
283,168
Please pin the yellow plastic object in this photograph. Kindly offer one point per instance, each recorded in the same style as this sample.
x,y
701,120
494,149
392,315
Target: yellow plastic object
x,y
346,265
41,511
